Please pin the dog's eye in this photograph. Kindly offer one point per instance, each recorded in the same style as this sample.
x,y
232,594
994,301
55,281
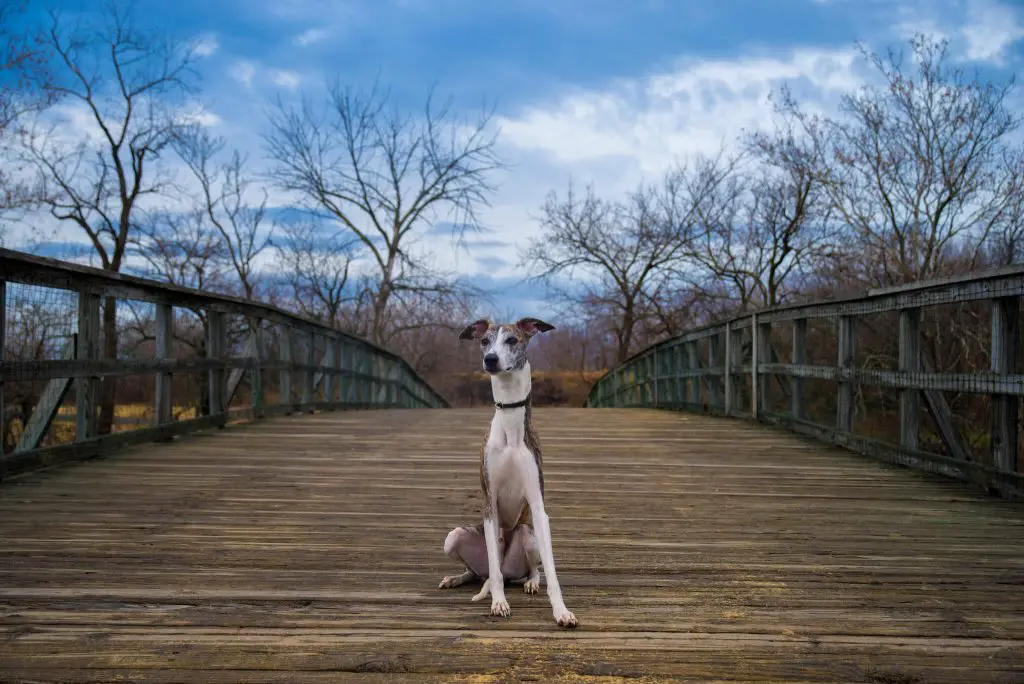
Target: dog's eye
x,y
484,342
511,341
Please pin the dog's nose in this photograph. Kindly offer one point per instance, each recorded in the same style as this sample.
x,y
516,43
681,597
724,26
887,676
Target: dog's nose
x,y
491,361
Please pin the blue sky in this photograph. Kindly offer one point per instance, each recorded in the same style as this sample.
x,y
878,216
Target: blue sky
x,y
605,92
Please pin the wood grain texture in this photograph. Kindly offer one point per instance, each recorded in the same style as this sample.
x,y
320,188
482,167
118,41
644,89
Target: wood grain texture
x,y
691,548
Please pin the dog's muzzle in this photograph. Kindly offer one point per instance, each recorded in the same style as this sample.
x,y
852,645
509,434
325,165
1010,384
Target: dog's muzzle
x,y
491,363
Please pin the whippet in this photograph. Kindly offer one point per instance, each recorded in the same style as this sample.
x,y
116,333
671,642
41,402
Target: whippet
x,y
512,478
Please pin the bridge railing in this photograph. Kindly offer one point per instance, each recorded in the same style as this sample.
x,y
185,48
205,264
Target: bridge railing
x,y
187,360
776,365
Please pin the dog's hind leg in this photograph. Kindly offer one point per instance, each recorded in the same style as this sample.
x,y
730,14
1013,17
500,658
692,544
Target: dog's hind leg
x,y
466,545
452,581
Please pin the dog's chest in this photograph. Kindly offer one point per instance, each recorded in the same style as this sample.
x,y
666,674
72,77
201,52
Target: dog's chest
x,y
510,475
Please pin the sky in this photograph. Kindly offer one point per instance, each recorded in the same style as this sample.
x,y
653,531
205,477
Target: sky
x,y
593,92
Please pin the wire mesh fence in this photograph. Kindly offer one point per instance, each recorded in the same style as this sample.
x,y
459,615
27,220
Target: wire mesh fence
x,y
88,356
928,375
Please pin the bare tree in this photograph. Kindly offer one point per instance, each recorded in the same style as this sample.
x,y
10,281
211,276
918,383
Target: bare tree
x,y
126,80
182,249
767,220
225,197
24,81
386,176
611,252
914,166
317,269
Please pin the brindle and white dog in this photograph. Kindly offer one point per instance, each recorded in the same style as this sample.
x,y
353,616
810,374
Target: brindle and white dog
x,y
505,545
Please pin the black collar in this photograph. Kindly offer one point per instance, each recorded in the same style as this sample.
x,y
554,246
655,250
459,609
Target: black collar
x,y
519,404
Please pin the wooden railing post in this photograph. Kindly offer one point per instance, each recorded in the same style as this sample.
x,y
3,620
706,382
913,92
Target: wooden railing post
x,y
1005,407
87,349
346,380
285,356
164,412
215,343
714,381
910,362
847,342
763,332
798,407
3,346
328,364
309,359
256,376
730,385
755,362
692,382
337,394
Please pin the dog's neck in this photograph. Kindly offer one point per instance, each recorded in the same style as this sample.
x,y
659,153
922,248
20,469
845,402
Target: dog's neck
x,y
512,386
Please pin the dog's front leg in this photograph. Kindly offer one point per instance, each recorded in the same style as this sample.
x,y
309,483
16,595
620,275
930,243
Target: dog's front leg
x,y
496,583
542,529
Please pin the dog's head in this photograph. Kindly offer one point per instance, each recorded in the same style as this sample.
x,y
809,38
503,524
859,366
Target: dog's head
x,y
504,345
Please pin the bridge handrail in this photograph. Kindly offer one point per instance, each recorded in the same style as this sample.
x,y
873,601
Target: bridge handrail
x,y
336,370
708,369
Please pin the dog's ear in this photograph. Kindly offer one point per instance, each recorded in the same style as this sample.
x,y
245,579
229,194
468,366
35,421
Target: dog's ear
x,y
531,326
474,331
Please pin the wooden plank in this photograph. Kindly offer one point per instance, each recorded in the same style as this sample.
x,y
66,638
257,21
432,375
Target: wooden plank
x,y
1010,485
716,544
910,362
846,331
256,373
215,344
798,404
236,374
87,349
924,381
1005,422
164,405
48,457
941,413
47,407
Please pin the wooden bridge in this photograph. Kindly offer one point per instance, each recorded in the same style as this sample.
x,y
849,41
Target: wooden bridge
x,y
262,547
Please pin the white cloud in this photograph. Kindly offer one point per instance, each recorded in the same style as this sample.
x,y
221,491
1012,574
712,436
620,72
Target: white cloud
x,y
648,123
311,37
991,28
243,72
285,79
199,114
205,45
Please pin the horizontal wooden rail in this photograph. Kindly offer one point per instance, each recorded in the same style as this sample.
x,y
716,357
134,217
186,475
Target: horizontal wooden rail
x,y
317,367
708,370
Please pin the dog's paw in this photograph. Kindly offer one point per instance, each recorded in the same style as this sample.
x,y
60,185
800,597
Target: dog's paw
x,y
565,618
447,582
532,585
500,608
484,590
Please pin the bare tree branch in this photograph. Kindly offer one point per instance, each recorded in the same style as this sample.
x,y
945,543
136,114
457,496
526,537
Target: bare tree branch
x,y
384,175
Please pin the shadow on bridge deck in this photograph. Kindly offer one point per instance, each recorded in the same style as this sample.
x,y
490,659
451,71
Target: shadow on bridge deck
x,y
309,549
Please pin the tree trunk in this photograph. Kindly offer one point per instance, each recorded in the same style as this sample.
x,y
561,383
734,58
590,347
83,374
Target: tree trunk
x,y
108,386
380,306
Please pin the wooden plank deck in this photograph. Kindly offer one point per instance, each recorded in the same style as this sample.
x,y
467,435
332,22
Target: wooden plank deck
x,y
691,548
